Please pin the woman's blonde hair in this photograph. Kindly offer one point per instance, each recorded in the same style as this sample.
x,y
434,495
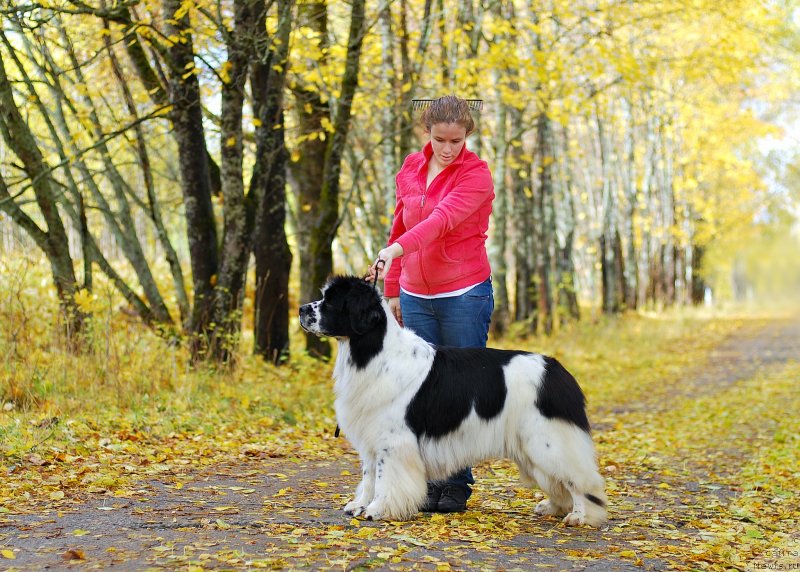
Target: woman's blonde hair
x,y
448,109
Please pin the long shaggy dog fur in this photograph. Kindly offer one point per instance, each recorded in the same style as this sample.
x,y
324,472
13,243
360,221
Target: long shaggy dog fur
x,y
417,412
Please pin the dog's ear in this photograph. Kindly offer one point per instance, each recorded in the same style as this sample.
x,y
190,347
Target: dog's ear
x,y
365,311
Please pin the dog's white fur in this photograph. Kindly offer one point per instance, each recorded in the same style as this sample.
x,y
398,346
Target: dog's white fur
x,y
371,406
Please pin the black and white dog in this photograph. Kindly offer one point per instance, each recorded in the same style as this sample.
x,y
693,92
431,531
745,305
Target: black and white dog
x,y
417,412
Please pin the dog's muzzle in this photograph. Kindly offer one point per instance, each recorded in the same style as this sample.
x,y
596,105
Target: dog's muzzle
x,y
309,317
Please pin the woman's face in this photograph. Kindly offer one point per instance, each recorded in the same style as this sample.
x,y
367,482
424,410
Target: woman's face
x,y
447,140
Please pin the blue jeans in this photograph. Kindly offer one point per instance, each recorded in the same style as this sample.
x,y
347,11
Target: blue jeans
x,y
460,321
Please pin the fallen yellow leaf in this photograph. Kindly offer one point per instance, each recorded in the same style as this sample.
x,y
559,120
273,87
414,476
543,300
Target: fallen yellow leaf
x,y
9,554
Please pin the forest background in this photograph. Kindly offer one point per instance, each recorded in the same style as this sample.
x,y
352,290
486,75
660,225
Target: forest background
x,y
211,164
177,176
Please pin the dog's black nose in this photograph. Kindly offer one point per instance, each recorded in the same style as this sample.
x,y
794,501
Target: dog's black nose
x,y
305,310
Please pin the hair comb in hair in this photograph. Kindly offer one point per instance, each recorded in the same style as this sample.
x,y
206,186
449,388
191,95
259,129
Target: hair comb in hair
x,y
420,104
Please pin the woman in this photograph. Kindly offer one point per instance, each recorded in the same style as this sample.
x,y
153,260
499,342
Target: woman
x,y
442,286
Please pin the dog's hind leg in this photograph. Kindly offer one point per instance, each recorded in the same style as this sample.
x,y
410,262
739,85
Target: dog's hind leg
x,y
559,501
588,503
400,484
564,466
365,491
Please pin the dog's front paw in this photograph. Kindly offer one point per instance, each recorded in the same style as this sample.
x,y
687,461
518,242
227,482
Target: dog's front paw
x,y
547,508
575,519
354,508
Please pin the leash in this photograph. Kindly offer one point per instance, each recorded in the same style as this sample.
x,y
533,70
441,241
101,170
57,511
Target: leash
x,y
379,265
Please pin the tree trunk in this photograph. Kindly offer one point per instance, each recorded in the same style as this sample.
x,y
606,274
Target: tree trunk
x,y
187,120
525,247
412,68
52,241
631,276
327,222
270,247
499,243
156,85
545,216
273,260
667,202
609,239
389,159
567,295
698,285
308,170
444,58
237,221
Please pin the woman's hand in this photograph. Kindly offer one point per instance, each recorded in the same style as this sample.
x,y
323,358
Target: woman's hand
x,y
394,307
386,256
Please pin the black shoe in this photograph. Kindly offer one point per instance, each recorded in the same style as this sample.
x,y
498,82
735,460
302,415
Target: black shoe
x,y
452,499
434,493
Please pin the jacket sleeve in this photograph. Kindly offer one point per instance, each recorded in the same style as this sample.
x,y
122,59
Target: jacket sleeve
x,y
391,284
470,191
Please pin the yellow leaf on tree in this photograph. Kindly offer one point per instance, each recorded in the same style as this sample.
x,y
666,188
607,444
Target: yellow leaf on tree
x,y
86,301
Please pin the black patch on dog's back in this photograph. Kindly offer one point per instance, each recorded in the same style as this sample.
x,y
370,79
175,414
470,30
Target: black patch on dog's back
x,y
460,379
560,396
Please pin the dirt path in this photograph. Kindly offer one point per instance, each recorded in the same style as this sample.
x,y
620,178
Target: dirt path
x,y
285,513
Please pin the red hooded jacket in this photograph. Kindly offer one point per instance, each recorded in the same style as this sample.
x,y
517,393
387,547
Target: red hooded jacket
x,y
442,229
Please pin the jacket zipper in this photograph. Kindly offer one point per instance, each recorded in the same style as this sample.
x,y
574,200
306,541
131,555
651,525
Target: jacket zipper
x,y
421,209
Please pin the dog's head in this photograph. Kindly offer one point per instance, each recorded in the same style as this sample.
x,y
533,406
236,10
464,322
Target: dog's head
x,y
350,307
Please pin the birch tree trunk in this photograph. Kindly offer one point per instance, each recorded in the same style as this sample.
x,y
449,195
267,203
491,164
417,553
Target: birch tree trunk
x,y
412,68
610,245
567,295
545,220
631,275
499,240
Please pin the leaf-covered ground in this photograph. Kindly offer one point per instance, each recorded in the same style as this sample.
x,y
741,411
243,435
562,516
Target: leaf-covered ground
x,y
157,466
